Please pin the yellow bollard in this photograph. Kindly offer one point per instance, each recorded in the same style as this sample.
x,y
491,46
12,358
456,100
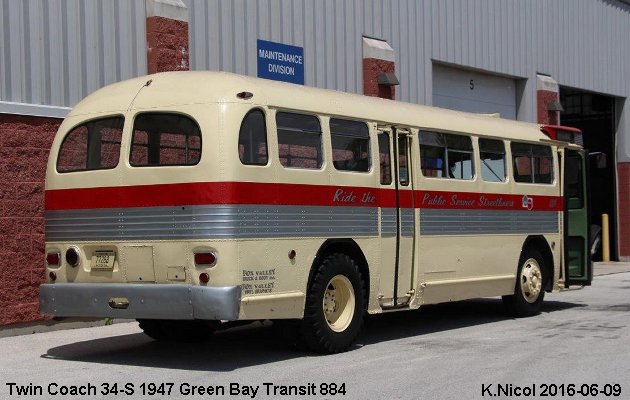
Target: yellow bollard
x,y
605,239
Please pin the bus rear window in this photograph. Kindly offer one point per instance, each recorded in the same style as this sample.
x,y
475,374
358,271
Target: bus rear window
x,y
91,146
165,139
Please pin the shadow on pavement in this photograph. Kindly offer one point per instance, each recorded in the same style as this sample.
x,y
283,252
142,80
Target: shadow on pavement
x,y
443,317
257,343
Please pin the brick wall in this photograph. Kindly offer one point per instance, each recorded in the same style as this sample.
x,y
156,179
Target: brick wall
x,y
623,192
24,145
544,97
371,68
167,45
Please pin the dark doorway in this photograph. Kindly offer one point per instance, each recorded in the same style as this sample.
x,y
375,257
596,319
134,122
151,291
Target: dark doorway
x,y
594,114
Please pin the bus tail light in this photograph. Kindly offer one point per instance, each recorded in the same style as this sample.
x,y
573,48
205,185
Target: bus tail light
x,y
53,259
53,276
204,277
205,259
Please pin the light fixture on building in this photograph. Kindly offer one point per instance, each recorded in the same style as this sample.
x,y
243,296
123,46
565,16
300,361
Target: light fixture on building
x,y
554,106
387,79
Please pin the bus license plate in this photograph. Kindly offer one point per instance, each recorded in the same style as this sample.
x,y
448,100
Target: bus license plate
x,y
103,260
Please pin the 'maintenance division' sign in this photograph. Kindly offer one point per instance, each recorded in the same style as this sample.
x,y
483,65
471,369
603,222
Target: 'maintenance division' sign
x,y
280,62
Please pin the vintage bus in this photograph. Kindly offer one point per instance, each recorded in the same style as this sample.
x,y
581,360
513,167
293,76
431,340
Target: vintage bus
x,y
187,199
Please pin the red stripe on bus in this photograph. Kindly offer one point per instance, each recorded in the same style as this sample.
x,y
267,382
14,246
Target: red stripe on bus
x,y
486,201
206,193
209,193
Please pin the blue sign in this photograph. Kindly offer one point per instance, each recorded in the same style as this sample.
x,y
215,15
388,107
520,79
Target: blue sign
x,y
280,62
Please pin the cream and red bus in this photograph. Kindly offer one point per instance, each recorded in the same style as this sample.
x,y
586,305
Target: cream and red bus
x,y
187,199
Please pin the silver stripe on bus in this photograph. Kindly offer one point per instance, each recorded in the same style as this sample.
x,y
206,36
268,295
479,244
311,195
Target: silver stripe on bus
x,y
388,222
468,222
407,221
210,222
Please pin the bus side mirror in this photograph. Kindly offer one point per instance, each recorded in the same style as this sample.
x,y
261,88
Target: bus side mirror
x,y
599,158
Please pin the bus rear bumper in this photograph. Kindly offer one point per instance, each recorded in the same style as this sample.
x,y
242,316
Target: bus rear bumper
x,y
140,301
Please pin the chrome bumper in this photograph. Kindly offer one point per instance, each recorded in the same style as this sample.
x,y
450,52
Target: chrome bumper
x,y
149,301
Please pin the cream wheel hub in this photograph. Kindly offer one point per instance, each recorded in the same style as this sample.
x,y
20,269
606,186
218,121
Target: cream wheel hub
x,y
531,280
338,303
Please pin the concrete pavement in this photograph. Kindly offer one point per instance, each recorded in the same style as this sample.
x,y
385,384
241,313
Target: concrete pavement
x,y
607,268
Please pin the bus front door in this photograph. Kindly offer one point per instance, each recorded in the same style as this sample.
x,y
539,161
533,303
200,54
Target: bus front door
x,y
405,217
397,222
578,268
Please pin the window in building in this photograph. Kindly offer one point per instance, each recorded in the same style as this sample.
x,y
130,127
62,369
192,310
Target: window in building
x,y
492,154
533,163
299,140
165,140
91,146
350,145
252,139
444,155
384,158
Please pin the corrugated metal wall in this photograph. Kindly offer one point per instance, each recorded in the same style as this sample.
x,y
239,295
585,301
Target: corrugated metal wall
x,y
223,37
55,52
575,41
578,42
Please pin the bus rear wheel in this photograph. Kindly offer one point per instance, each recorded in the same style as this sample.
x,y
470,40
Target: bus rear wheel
x,y
177,330
333,314
529,290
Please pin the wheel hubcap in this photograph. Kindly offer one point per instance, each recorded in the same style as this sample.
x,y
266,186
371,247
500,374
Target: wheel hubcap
x,y
338,303
531,280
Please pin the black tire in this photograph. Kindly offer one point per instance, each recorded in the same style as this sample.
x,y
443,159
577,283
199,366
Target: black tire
x,y
596,238
333,313
187,331
529,291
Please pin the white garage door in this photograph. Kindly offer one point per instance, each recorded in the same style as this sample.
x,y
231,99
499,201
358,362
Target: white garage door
x,y
463,90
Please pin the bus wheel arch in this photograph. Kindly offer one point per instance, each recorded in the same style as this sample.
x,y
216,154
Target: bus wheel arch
x,y
335,298
540,244
350,248
534,274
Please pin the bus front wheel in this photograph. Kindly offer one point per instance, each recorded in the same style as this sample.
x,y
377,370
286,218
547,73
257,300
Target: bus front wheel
x,y
529,290
333,313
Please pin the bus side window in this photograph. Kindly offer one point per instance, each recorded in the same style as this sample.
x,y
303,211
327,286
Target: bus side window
x,y
299,140
459,157
350,145
432,154
533,163
252,139
384,159
444,155
492,154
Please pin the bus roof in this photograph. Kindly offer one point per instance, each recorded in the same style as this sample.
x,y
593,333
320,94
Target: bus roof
x,y
168,90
